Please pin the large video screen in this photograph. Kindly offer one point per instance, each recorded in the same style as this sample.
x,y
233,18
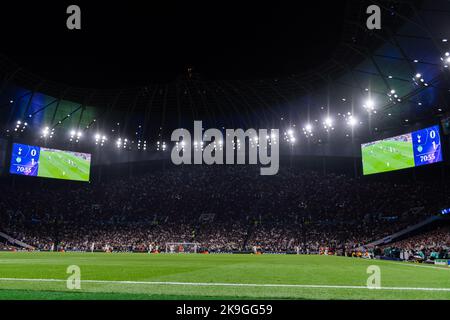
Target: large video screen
x,y
404,151
50,163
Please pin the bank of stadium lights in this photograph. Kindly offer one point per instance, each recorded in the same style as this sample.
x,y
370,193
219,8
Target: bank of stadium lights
x,y
197,146
273,139
218,145
100,139
47,133
179,145
289,136
75,136
20,126
369,105
419,80
253,142
446,59
142,144
308,130
328,124
393,96
161,146
352,121
122,143
237,145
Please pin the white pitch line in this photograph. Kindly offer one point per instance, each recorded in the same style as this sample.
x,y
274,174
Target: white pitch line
x,y
409,264
213,284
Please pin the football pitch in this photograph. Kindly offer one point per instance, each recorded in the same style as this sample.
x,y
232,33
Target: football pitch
x,y
387,155
63,165
37,275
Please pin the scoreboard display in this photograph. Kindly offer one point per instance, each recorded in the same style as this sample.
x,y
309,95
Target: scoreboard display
x,y
49,163
427,146
409,150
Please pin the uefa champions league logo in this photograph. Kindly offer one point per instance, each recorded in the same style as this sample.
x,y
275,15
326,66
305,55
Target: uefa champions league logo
x,y
262,145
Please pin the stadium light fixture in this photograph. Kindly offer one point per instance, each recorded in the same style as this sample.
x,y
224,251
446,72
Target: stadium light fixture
x,y
45,132
419,80
369,105
308,127
328,122
446,59
289,136
393,96
100,139
352,121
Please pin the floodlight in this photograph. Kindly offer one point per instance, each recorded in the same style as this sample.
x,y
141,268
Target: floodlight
x,y
352,121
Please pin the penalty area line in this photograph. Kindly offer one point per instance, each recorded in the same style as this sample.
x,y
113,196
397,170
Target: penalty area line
x,y
223,284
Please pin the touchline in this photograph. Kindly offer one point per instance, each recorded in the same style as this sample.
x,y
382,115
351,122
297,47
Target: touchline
x,y
262,146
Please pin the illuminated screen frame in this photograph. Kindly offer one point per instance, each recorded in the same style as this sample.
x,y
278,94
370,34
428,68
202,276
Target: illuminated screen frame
x,y
409,150
35,161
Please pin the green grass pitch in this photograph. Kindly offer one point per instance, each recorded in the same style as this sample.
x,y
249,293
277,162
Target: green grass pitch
x,y
34,275
387,155
63,165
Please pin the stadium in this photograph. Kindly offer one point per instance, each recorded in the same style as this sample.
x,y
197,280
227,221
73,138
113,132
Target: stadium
x,y
352,120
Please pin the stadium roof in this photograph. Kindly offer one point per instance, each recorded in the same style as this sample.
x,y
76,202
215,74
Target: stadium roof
x,y
363,66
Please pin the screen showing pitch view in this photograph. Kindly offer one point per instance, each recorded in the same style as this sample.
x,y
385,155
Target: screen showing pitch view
x,y
50,163
404,151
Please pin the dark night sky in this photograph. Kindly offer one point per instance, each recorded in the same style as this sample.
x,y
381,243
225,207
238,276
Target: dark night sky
x,y
124,44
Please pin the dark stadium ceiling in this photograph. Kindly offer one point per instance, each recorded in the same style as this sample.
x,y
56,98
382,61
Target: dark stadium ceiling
x,y
281,67
126,44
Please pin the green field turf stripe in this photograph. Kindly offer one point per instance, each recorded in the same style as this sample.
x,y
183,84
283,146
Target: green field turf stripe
x,y
213,284
379,163
59,163
83,165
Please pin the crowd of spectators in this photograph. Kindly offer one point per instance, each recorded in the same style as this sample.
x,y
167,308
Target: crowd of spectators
x,y
293,210
429,245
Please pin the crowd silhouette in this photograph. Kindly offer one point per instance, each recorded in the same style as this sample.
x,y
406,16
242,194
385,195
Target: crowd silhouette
x,y
223,208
